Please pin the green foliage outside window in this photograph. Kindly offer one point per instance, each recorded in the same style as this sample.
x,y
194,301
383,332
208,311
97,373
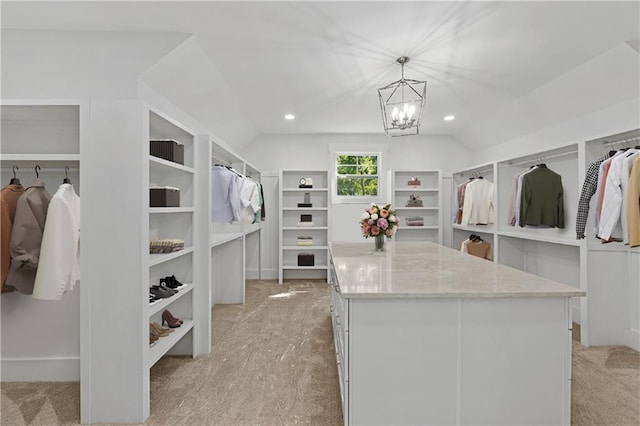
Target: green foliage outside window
x,y
357,175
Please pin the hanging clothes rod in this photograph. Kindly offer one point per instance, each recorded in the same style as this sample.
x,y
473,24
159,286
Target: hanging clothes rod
x,y
220,160
542,158
477,172
621,142
28,171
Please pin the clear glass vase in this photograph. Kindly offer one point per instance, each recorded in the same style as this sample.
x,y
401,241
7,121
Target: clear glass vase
x,y
379,242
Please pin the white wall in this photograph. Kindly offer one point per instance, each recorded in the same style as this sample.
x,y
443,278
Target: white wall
x,y
270,153
86,64
579,96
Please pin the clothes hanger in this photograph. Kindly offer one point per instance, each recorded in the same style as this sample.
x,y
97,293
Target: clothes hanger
x,y
14,179
66,174
38,168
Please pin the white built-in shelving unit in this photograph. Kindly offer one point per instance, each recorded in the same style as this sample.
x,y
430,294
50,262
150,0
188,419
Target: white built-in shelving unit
x,y
430,192
41,339
118,224
173,223
235,247
610,313
290,216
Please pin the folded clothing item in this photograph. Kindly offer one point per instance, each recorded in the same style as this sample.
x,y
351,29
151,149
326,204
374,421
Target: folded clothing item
x,y
302,224
414,221
304,241
165,246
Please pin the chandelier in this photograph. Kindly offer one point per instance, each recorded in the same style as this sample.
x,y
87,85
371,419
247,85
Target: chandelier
x,y
402,102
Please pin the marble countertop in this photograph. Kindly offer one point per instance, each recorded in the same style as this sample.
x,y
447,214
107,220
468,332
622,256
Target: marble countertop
x,y
424,269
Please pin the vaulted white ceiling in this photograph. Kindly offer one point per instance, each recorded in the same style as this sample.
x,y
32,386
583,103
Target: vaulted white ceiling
x,y
323,61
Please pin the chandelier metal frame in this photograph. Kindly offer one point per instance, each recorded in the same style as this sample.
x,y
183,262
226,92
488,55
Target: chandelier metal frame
x,y
402,103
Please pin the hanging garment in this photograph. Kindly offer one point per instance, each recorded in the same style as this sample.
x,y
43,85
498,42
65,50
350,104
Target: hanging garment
x,y
589,188
249,201
542,200
26,236
602,183
263,210
627,164
59,267
481,249
9,198
460,200
516,221
225,195
610,227
633,204
478,203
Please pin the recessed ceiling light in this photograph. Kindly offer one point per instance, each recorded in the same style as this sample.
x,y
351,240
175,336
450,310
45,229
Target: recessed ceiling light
x,y
450,117
289,116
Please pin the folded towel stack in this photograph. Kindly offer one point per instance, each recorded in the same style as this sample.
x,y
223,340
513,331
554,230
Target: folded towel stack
x,y
305,241
165,246
305,224
414,221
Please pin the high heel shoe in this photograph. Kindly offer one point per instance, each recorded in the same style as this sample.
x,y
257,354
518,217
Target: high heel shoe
x,y
159,330
170,316
168,319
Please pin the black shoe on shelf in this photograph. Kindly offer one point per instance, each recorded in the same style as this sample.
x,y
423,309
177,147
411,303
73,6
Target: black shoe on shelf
x,y
167,288
173,282
160,292
166,282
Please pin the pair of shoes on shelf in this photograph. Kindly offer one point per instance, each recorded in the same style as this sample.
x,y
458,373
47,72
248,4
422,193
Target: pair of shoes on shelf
x,y
161,292
153,338
170,320
171,282
157,330
153,299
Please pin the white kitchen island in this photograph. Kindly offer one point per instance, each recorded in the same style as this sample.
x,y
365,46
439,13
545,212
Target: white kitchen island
x,y
428,335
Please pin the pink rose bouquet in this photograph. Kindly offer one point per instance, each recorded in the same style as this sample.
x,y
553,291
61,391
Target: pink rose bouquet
x,y
378,221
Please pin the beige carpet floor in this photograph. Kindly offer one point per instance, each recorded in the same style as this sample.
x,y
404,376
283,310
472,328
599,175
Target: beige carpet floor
x,y
273,363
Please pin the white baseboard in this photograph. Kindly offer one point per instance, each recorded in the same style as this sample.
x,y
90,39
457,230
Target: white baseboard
x,y
575,314
269,273
633,339
40,370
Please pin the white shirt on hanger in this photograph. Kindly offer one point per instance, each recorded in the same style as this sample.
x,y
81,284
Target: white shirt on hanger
x,y
478,203
59,265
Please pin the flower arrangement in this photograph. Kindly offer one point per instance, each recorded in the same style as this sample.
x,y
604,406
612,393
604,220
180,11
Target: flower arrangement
x,y
378,221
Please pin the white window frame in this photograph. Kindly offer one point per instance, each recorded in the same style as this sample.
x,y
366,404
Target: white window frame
x,y
356,199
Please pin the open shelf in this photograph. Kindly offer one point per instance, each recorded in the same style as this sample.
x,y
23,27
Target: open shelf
x,y
164,344
163,303
171,210
220,239
170,164
305,189
40,157
416,228
304,248
304,267
541,238
416,189
298,228
156,259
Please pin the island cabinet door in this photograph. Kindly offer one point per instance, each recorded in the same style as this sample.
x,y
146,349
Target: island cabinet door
x,y
516,361
402,361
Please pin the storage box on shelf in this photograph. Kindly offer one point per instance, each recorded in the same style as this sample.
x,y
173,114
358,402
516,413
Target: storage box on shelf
x,y
417,198
48,134
304,212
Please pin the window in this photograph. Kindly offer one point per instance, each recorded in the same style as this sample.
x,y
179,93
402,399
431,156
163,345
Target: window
x,y
357,175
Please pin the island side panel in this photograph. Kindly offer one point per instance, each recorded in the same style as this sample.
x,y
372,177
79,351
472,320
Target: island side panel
x,y
402,361
516,360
